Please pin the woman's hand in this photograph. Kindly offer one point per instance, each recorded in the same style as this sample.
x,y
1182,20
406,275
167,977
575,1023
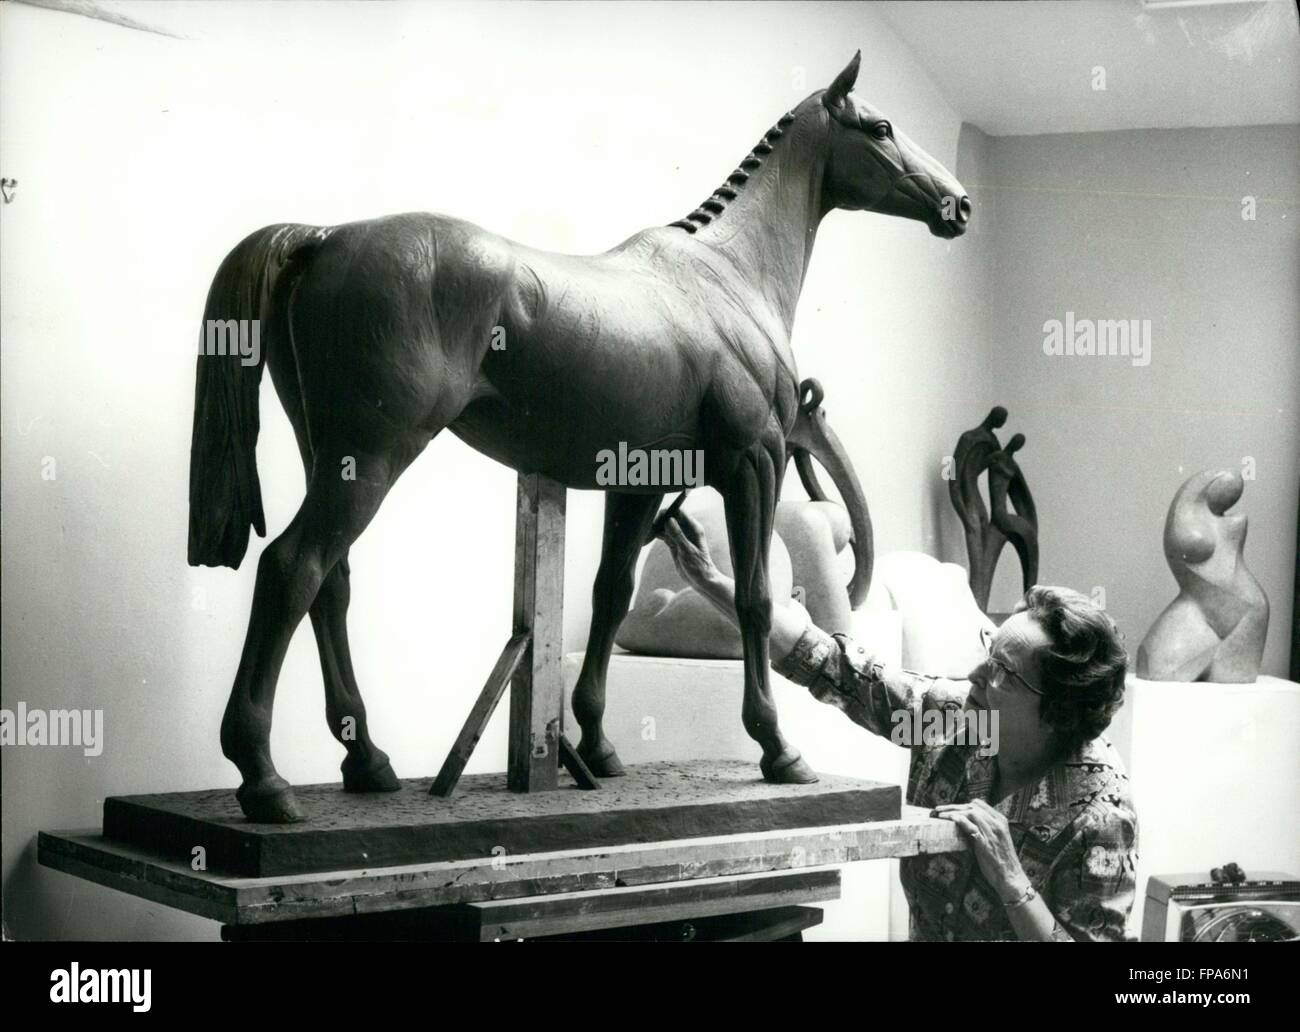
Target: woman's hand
x,y
685,539
989,835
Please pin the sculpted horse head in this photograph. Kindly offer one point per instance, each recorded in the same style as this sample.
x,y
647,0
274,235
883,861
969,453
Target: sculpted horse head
x,y
873,166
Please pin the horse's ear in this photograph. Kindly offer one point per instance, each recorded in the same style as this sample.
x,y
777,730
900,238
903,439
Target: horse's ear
x,y
839,89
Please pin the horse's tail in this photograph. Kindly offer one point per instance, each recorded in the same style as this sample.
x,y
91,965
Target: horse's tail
x,y
225,496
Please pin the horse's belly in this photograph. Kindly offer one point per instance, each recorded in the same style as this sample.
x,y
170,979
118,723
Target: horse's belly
x,y
583,452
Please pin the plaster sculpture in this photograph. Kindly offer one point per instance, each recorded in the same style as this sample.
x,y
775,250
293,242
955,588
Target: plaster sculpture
x,y
1215,629
670,618
381,334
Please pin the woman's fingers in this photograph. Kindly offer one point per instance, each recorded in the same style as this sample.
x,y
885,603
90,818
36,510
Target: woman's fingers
x,y
957,813
692,531
682,547
978,809
972,830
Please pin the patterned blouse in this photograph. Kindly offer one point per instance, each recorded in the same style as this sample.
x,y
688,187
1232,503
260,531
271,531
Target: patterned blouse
x,y
1075,831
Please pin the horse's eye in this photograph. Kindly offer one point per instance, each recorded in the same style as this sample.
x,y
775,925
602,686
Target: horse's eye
x,y
881,131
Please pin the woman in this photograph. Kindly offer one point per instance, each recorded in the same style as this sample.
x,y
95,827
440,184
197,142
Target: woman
x,y
1046,812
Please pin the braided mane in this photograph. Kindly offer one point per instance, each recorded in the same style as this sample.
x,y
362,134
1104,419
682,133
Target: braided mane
x,y
717,201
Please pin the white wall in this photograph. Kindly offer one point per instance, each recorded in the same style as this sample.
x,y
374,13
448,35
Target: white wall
x,y
1148,225
141,160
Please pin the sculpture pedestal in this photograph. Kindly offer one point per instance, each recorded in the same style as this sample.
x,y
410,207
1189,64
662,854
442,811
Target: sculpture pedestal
x,y
621,886
1216,775
656,801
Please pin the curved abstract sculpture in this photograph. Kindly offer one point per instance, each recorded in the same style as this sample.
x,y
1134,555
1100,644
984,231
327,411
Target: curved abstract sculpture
x,y
1215,629
381,334
813,438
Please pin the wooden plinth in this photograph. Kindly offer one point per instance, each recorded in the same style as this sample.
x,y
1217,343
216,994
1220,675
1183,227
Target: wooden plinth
x,y
655,802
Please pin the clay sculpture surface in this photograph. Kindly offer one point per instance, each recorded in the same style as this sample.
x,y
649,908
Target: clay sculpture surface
x,y
381,334
1215,629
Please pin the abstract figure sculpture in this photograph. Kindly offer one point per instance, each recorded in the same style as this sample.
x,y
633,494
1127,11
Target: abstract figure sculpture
x,y
1019,524
381,334
1215,629
978,450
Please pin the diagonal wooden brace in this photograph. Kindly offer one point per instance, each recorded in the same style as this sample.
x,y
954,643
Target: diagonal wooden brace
x,y
573,763
495,687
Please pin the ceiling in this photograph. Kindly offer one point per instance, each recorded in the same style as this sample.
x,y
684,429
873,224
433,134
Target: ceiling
x,y
1024,68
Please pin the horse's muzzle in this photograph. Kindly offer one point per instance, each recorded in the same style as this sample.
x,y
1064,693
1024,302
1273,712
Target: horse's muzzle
x,y
949,228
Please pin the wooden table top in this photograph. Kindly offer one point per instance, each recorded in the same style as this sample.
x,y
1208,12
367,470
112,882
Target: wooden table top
x,y
240,900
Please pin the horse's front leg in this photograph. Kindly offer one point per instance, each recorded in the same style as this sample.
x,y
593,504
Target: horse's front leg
x,y
750,495
628,518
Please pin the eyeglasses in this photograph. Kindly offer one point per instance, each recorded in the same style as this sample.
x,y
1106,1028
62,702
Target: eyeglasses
x,y
1000,670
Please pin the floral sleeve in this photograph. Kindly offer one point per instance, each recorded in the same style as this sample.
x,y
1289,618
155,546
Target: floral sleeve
x,y
1094,880
843,674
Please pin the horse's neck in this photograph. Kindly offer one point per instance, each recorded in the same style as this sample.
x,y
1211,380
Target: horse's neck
x,y
768,231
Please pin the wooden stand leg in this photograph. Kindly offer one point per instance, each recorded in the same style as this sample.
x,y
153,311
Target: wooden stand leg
x,y
537,691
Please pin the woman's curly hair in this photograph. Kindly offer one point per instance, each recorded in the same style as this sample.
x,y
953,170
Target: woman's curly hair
x,y
1083,668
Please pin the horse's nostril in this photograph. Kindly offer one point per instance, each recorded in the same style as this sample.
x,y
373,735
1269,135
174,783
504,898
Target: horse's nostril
x,y
963,209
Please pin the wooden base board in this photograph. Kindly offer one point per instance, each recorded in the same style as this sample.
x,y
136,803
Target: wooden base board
x,y
671,912
654,802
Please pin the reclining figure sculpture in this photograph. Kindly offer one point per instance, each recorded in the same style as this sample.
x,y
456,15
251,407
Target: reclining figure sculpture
x,y
381,334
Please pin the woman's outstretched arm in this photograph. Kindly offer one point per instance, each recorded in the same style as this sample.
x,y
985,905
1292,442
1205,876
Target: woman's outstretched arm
x,y
691,555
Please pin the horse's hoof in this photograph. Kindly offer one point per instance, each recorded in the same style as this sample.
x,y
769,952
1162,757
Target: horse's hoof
x,y
605,765
790,772
271,802
378,778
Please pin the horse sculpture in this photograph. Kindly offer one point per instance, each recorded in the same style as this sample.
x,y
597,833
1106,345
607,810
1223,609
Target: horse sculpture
x,y
380,334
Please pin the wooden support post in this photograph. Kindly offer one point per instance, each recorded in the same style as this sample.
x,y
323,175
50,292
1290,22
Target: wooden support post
x,y
537,691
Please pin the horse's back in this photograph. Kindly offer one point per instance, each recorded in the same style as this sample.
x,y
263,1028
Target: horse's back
x,y
390,319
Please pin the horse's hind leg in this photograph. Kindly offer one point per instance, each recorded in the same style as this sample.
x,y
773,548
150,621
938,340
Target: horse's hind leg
x,y
366,767
289,577
750,494
628,518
